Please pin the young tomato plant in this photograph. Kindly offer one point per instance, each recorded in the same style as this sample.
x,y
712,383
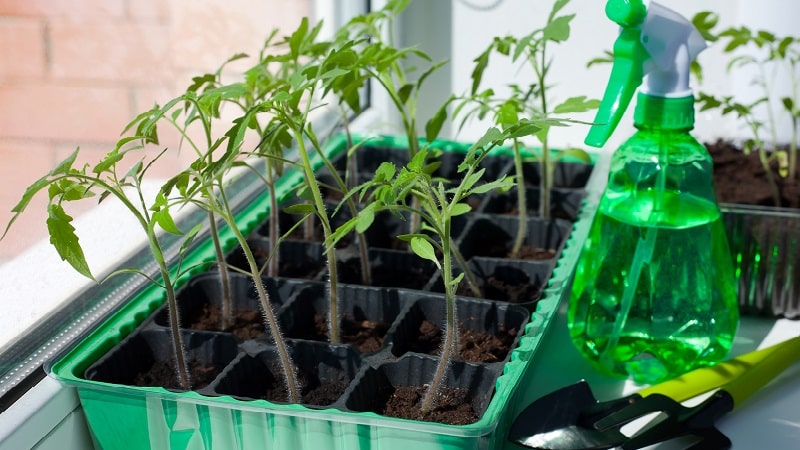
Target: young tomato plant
x,y
438,202
770,56
108,179
532,101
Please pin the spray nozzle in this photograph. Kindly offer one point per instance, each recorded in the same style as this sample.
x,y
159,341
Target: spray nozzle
x,y
655,42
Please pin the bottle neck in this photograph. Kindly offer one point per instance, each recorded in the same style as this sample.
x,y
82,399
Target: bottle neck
x,y
664,113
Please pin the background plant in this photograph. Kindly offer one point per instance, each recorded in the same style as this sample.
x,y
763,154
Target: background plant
x,y
772,55
533,100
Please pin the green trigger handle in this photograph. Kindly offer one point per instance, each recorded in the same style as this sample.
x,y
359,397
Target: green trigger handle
x,y
627,71
740,377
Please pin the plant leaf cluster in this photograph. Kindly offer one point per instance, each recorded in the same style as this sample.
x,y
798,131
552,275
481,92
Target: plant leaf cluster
x,y
766,54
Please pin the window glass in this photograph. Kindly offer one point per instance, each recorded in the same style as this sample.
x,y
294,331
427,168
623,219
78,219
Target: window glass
x,y
76,75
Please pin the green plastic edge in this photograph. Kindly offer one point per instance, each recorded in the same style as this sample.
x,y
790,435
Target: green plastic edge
x,y
120,324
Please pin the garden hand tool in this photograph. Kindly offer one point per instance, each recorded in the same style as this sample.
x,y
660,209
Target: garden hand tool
x,y
571,418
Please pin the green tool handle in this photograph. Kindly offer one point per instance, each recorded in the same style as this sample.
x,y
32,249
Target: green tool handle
x,y
740,377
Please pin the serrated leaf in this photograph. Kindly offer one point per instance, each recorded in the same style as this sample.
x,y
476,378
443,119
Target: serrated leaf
x,y
384,172
65,241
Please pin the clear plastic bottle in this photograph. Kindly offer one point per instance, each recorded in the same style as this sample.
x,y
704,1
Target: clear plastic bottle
x,y
654,293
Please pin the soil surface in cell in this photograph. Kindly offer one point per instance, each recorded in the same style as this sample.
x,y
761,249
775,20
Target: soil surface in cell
x,y
365,335
497,289
245,324
164,374
474,346
741,178
451,406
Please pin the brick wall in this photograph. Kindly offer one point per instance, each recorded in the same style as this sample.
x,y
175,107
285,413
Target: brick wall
x,y
73,73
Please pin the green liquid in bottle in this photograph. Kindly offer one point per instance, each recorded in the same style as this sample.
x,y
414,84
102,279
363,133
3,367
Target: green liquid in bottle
x,y
654,294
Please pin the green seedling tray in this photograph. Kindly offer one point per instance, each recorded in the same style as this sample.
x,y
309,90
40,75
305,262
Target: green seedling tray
x,y
129,418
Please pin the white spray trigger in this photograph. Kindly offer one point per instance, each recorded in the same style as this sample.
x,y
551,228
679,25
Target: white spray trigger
x,y
672,43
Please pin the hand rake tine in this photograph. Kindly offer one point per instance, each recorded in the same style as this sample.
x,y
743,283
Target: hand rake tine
x,y
682,421
638,407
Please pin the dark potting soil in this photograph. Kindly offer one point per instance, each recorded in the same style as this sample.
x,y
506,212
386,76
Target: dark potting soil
x,y
499,290
452,405
740,178
164,374
474,346
247,324
365,335
535,253
312,390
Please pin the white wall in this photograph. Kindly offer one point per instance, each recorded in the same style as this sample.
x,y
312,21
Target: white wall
x,y
592,33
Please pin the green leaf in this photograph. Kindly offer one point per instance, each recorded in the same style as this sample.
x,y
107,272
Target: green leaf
x,y
577,153
384,172
300,208
404,92
424,249
704,22
472,179
481,62
460,208
364,219
558,6
576,105
505,182
65,241
558,29
491,136
189,237
434,125
66,165
162,216
788,104
296,39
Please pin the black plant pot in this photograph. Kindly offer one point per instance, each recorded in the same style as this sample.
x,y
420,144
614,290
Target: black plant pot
x,y
324,371
374,386
146,359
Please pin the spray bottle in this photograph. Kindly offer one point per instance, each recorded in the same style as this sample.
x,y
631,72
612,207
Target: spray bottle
x,y
654,293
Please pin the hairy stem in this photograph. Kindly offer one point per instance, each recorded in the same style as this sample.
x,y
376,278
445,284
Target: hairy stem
x,y
181,365
319,204
287,365
224,278
450,341
522,213
274,230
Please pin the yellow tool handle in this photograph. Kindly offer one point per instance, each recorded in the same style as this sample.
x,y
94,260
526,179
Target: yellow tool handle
x,y
740,376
